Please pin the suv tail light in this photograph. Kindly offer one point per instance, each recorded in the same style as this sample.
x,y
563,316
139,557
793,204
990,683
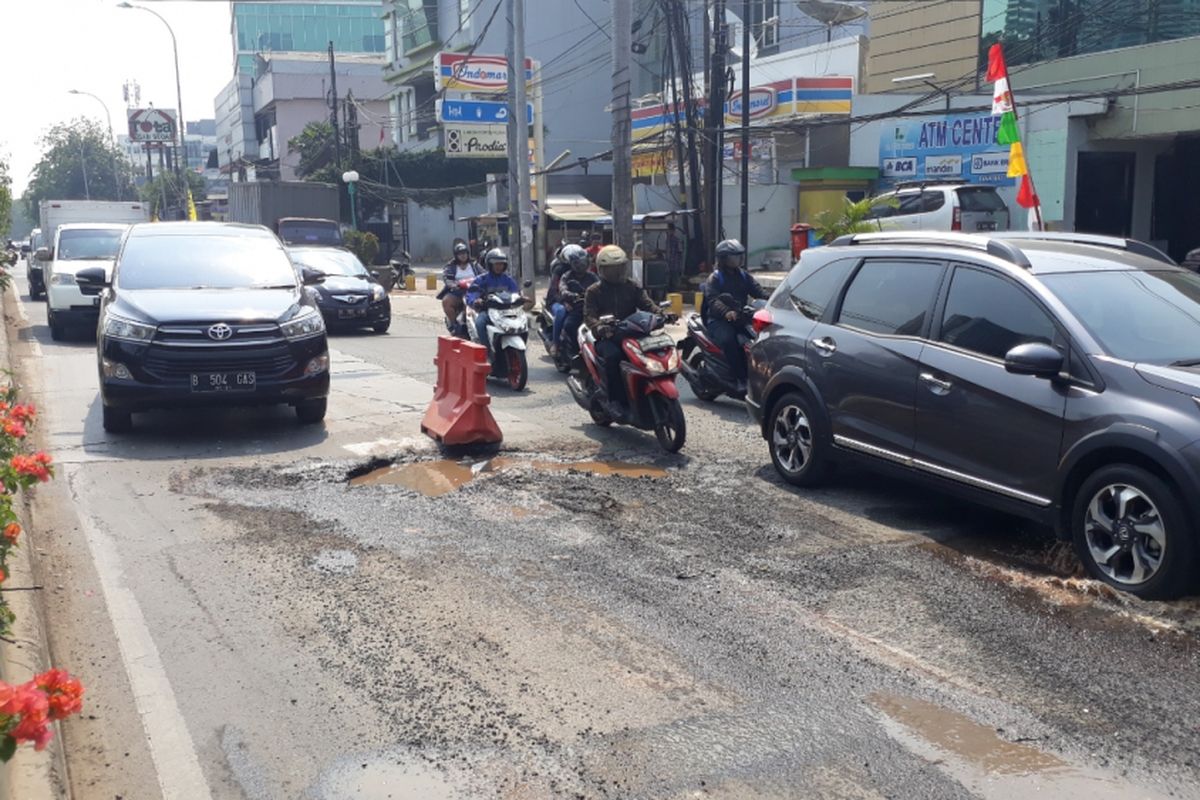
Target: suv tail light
x,y
956,221
762,318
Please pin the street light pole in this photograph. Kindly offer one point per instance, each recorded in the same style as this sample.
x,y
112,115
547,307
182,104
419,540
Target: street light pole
x,y
112,136
179,162
350,178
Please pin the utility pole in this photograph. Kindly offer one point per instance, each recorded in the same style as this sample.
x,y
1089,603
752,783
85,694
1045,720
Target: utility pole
x,y
539,164
333,116
622,130
746,124
714,162
520,217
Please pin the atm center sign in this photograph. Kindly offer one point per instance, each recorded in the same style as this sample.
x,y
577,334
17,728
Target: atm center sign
x,y
959,146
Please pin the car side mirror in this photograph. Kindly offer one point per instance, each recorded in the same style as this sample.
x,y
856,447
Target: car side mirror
x,y
1036,359
311,277
44,254
92,277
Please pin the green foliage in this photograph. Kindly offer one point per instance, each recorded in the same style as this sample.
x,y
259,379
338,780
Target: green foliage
x,y
69,151
164,189
363,244
427,177
6,198
852,218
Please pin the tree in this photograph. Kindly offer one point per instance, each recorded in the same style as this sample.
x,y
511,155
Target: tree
x,y
851,218
77,162
164,189
363,244
5,198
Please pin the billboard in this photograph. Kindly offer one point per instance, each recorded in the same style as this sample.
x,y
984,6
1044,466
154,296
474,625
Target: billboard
x,y
476,141
152,124
463,73
951,147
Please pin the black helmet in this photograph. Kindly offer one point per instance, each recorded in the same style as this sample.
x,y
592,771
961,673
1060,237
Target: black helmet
x,y
461,248
731,254
496,256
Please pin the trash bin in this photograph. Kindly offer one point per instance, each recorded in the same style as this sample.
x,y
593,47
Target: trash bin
x,y
801,238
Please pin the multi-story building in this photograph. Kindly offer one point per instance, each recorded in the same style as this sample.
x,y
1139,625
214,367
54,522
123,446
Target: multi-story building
x,y
918,37
354,26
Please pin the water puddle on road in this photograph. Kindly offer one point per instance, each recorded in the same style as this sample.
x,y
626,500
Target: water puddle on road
x,y
436,478
991,766
381,780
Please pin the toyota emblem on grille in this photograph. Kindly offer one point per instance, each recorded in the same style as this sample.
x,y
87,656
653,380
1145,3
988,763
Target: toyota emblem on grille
x,y
220,332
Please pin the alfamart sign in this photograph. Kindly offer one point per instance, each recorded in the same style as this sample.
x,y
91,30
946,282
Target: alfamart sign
x,y
461,73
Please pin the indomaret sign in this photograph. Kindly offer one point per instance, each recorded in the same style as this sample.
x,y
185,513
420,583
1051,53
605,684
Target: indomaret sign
x,y
152,124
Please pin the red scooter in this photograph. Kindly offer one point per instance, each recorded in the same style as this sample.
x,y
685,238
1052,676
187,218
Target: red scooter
x,y
649,369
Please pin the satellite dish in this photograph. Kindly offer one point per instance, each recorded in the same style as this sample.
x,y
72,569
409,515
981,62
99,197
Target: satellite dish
x,y
831,12
734,23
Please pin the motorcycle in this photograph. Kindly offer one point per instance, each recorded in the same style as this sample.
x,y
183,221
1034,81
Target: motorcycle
x,y
703,362
649,370
508,334
568,348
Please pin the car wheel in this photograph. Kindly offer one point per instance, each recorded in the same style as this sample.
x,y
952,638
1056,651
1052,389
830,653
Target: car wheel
x,y
382,327
798,448
58,331
117,420
1131,532
310,412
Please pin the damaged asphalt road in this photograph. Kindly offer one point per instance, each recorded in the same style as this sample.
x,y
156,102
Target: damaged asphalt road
x,y
338,613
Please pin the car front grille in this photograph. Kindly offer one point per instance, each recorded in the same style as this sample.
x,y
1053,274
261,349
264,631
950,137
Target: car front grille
x,y
198,335
172,362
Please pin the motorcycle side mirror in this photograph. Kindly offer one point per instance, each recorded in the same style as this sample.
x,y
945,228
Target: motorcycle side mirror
x,y
527,284
665,304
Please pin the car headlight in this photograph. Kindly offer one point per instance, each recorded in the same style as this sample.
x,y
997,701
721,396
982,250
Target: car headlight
x,y
62,279
128,329
377,293
308,324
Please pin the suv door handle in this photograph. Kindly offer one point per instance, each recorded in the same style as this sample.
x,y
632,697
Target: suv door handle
x,y
936,385
826,345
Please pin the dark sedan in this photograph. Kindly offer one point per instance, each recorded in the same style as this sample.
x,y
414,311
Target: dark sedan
x,y
348,297
205,313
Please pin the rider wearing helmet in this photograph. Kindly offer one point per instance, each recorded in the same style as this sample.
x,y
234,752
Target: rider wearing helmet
x,y
726,292
567,285
617,296
496,279
460,268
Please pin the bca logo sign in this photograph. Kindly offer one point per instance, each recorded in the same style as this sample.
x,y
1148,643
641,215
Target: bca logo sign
x,y
899,167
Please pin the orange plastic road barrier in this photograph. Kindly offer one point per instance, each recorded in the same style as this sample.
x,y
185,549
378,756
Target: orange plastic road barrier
x,y
459,413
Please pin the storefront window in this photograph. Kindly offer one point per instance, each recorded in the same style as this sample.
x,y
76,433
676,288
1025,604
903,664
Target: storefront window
x,y
1041,30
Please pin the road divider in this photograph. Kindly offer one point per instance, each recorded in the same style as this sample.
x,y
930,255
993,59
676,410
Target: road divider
x,y
459,413
676,301
431,282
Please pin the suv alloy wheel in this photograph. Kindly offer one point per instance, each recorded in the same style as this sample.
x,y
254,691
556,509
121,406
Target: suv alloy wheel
x,y
798,448
1131,532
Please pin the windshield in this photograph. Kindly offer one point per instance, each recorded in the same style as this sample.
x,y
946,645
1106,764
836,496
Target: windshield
x,y
204,262
88,245
310,233
1144,317
980,199
331,262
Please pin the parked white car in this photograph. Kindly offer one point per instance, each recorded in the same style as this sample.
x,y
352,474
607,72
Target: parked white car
x,y
943,207
75,247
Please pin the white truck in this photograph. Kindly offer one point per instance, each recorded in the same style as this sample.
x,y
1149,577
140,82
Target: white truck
x,y
78,234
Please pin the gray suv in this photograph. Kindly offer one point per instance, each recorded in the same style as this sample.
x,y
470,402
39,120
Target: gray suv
x,y
1054,376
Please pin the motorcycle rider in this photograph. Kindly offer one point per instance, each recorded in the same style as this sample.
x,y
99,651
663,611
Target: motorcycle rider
x,y
567,285
726,292
617,296
496,279
460,268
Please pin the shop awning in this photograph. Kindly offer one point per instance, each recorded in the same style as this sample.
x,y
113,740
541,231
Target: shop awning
x,y
573,208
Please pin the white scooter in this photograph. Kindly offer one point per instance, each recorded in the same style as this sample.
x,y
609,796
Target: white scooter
x,y
507,335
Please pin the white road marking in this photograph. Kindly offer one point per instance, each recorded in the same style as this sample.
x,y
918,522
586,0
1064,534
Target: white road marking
x,y
175,762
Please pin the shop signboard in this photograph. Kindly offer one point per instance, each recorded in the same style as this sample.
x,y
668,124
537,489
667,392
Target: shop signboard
x,y
951,147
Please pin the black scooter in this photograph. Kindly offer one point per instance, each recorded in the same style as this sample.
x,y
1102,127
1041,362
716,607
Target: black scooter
x,y
703,362
568,348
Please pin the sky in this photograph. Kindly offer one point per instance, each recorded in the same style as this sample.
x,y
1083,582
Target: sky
x,y
53,46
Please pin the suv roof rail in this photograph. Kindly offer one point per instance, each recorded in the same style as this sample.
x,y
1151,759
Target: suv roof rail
x,y
999,248
1134,246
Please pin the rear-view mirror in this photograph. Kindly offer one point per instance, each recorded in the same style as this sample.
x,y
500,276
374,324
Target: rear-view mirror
x,y
1035,358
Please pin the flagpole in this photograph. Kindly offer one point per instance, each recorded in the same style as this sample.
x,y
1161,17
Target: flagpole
x,y
1037,206
996,60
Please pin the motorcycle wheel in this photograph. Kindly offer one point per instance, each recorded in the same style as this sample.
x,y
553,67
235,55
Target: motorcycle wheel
x,y
518,369
696,362
599,416
670,427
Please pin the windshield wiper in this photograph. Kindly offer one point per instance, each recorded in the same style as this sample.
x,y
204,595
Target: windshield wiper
x,y
1186,362
278,286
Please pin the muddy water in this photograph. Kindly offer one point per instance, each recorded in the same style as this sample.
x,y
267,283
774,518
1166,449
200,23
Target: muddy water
x,y
989,765
436,478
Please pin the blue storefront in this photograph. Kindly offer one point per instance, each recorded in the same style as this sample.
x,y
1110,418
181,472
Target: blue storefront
x,y
950,147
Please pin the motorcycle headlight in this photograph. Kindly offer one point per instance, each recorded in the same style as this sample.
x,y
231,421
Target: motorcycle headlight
x,y
62,279
309,323
673,361
377,293
128,329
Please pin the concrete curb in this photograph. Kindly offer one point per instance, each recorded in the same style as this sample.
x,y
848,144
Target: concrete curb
x,y
30,775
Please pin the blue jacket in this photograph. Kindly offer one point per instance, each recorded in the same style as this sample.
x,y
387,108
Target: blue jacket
x,y
489,282
742,289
